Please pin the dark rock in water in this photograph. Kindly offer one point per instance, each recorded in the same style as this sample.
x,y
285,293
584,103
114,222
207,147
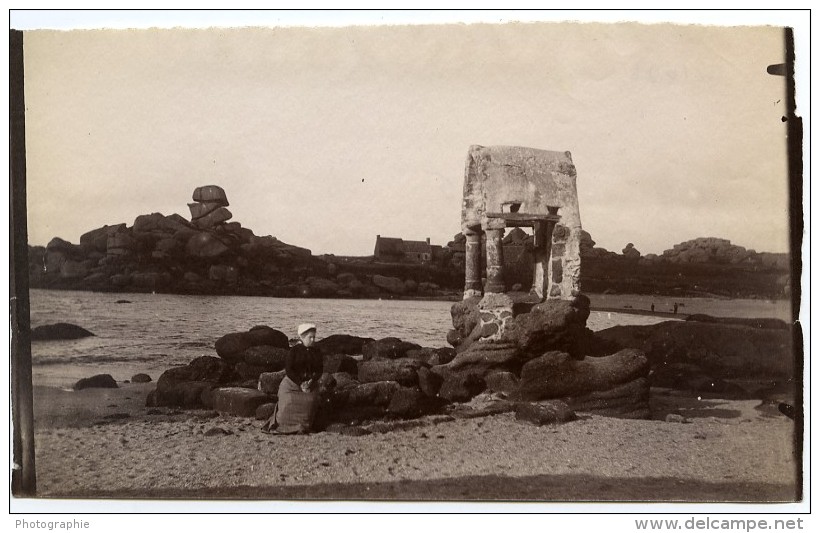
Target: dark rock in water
x,y
184,386
429,382
725,351
403,371
461,387
100,381
758,323
238,401
265,411
557,375
339,362
124,301
388,348
141,378
59,331
269,358
544,413
269,382
342,344
231,346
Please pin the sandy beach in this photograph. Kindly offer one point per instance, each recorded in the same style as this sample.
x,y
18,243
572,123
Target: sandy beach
x,y
104,443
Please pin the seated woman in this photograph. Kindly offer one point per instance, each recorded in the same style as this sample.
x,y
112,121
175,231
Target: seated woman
x,y
299,391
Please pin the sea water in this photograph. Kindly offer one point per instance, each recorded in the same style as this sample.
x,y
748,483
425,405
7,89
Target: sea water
x,y
153,332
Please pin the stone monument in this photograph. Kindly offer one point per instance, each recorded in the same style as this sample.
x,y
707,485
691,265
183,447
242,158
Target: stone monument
x,y
535,342
511,186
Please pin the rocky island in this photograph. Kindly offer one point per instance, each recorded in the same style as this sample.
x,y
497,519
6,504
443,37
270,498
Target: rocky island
x,y
212,254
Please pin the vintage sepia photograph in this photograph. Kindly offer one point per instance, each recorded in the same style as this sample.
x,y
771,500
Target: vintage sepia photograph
x,y
518,261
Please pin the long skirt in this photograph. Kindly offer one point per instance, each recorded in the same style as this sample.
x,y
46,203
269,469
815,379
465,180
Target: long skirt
x,y
295,411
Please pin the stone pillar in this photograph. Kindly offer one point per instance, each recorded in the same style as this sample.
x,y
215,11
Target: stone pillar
x,y
541,257
472,262
495,261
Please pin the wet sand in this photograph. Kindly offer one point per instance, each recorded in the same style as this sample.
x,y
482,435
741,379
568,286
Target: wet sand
x,y
104,443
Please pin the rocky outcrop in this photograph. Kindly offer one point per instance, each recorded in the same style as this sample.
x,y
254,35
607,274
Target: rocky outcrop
x,y
707,250
391,285
388,348
209,207
630,252
59,331
402,370
695,355
557,375
233,346
238,401
342,344
211,254
540,351
185,386
100,381
338,362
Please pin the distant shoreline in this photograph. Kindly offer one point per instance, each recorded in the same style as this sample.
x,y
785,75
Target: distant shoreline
x,y
632,304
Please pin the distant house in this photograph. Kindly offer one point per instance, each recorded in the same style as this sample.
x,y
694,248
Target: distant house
x,y
391,249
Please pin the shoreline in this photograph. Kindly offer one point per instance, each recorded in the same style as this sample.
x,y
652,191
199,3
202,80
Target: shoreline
x,y
632,304
105,444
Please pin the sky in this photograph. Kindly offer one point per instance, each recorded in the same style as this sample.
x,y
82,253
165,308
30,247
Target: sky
x,y
326,137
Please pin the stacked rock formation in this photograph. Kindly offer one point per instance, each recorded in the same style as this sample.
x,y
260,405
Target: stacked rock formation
x,y
542,352
171,254
209,207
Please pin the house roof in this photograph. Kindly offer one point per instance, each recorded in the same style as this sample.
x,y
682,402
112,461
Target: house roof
x,y
389,245
393,245
420,247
